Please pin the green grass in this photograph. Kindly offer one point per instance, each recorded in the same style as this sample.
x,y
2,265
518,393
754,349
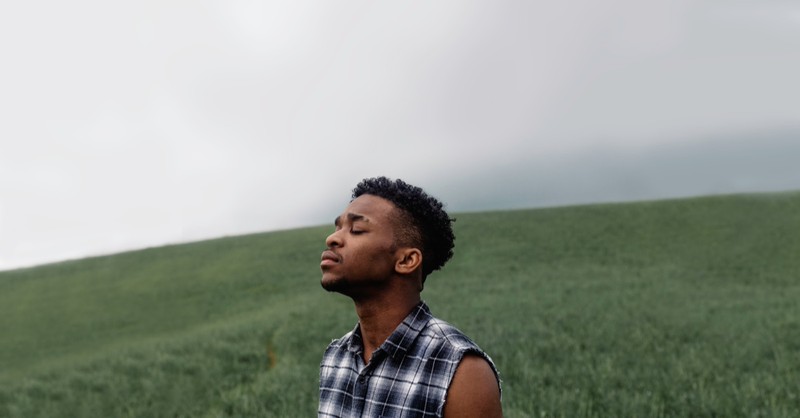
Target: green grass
x,y
686,308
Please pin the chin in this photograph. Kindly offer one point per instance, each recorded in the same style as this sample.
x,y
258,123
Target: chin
x,y
333,284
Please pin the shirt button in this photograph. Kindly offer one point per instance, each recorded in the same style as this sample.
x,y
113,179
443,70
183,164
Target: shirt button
x,y
362,380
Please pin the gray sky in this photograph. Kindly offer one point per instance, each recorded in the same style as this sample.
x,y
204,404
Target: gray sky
x,y
144,123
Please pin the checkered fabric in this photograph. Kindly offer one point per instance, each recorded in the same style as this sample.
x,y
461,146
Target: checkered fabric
x,y
407,376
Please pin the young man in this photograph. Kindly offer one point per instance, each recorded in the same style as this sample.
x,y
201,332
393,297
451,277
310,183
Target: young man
x,y
399,361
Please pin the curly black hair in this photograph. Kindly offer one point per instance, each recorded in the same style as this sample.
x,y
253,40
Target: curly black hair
x,y
429,226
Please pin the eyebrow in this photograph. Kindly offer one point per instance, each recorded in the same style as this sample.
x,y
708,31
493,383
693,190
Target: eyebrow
x,y
353,217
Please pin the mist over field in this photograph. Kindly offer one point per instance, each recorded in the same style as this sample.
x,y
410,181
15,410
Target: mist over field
x,y
717,164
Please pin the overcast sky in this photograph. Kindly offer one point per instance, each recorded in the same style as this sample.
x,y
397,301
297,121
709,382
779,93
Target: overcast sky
x,y
135,124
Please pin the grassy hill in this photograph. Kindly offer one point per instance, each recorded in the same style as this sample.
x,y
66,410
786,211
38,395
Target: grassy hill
x,y
671,308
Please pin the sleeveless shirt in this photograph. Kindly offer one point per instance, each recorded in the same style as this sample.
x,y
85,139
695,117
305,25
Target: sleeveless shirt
x,y
407,376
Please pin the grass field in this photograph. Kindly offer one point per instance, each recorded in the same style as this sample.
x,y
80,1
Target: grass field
x,y
685,308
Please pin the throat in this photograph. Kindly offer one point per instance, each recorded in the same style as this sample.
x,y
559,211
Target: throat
x,y
379,320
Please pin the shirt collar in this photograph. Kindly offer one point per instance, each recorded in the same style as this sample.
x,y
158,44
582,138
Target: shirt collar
x,y
401,338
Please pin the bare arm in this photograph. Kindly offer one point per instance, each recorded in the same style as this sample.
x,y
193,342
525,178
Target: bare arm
x,y
473,391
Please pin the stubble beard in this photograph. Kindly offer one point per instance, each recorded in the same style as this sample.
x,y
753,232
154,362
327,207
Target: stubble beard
x,y
337,284
334,285
344,286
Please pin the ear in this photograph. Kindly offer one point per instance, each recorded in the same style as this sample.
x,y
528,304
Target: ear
x,y
408,260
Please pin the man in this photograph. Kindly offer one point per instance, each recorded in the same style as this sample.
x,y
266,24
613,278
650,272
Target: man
x,y
399,361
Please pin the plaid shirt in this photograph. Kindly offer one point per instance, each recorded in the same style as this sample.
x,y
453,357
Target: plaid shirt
x,y
407,376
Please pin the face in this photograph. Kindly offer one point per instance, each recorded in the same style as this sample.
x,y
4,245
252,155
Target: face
x,y
361,251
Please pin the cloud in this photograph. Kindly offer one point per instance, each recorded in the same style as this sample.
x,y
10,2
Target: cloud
x,y
130,125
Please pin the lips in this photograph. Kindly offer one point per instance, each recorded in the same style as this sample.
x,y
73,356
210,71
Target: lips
x,y
329,258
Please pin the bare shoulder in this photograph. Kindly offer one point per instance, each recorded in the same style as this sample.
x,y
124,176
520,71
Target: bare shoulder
x,y
474,391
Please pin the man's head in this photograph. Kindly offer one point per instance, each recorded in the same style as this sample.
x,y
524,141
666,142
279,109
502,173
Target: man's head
x,y
421,220
389,229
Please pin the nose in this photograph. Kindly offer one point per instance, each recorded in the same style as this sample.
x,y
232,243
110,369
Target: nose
x,y
333,240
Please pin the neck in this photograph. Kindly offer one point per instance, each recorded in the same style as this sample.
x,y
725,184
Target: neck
x,y
378,318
